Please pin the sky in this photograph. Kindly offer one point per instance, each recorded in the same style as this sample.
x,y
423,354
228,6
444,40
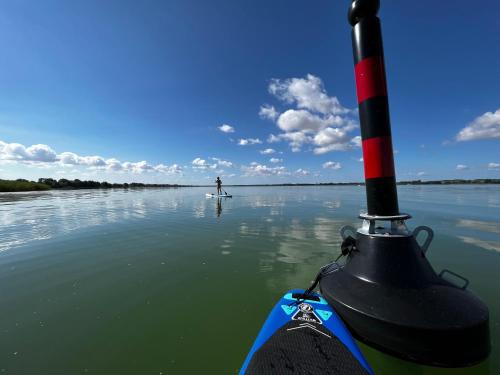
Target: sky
x,y
182,91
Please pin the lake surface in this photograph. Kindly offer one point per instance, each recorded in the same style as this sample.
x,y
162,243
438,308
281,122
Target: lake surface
x,y
171,282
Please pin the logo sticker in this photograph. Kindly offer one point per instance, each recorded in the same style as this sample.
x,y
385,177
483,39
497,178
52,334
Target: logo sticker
x,y
306,314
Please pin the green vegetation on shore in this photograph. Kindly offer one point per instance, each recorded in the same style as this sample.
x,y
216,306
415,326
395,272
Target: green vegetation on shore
x,y
89,184
21,185
50,183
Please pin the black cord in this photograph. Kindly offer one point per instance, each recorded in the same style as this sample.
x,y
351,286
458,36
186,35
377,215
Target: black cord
x,y
348,245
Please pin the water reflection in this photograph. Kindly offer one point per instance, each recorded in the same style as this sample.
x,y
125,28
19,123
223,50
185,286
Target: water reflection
x,y
485,226
219,206
27,217
487,245
297,242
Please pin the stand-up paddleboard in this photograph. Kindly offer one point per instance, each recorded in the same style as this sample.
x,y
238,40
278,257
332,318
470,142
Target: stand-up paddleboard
x,y
209,195
304,336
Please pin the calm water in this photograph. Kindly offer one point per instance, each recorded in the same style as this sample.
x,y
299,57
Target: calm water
x,y
170,282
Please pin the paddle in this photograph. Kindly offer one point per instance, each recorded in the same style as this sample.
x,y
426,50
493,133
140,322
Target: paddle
x,y
224,191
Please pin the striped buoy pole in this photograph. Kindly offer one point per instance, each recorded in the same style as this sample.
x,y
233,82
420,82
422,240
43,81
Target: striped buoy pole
x,y
387,291
371,88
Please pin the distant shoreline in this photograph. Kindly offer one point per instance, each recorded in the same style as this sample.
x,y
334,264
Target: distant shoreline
x,y
44,184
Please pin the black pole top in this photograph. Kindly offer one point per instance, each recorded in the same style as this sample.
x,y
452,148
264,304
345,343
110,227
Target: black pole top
x,y
362,8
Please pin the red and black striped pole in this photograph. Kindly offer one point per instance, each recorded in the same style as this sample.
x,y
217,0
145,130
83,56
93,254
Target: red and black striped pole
x,y
373,105
387,291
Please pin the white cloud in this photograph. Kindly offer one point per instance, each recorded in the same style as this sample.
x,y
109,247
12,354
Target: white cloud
x,y
92,161
331,137
35,153
267,151
172,169
112,165
494,166
139,167
356,141
421,173
273,138
307,93
295,139
268,112
225,128
361,160
461,167
319,119
486,126
332,165
70,158
301,120
199,163
302,172
224,163
256,169
249,141
44,155
276,160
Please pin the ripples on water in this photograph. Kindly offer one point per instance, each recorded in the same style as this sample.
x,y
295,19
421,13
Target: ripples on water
x,y
155,243
26,217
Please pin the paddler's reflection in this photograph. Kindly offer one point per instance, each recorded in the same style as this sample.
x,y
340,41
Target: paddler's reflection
x,y
219,206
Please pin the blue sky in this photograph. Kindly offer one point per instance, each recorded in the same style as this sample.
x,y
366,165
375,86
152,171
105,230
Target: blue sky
x,y
140,91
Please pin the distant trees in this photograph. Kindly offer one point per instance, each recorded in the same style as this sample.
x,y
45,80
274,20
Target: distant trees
x,y
21,185
89,184
50,183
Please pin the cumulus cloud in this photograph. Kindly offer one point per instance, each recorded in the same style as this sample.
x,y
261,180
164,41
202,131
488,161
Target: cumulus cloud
x,y
335,141
332,165
318,119
112,165
307,93
168,169
249,141
268,112
331,136
276,160
494,166
139,167
70,158
267,151
302,172
224,163
35,153
486,126
461,167
225,128
202,164
295,139
44,155
256,169
300,120
273,138
356,141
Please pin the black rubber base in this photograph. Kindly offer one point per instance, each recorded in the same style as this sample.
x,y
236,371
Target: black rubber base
x,y
391,298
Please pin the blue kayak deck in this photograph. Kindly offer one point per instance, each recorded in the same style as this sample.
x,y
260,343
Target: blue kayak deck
x,y
304,337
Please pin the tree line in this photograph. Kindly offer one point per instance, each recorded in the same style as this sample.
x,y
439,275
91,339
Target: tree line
x,y
63,183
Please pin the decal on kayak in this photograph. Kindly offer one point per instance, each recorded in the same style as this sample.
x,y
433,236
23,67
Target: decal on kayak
x,y
306,314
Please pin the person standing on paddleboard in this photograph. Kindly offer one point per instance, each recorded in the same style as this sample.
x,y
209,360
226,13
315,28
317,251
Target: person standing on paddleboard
x,y
219,186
